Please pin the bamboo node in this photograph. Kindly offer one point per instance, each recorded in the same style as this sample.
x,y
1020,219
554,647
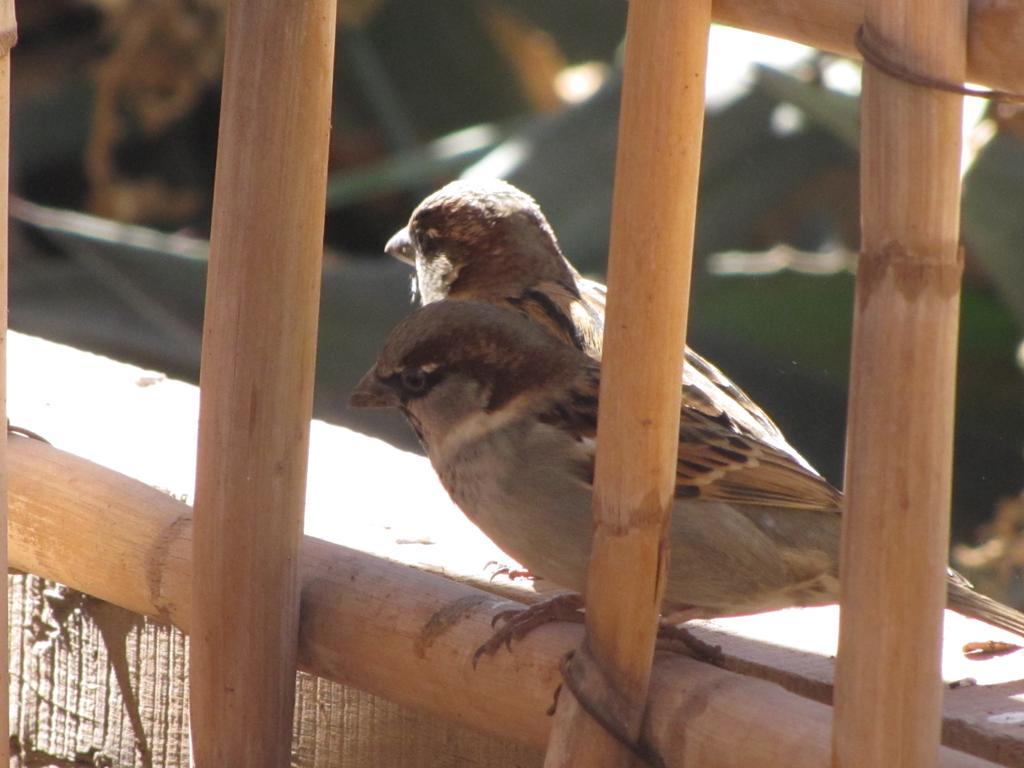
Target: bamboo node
x,y
13,429
597,697
874,55
156,566
447,617
8,39
912,275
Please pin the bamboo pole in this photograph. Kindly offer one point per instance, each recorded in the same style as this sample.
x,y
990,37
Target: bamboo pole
x,y
390,629
257,378
8,37
902,383
653,214
995,56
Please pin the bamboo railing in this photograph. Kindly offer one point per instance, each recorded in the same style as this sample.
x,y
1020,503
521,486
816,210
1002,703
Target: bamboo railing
x,y
236,585
995,56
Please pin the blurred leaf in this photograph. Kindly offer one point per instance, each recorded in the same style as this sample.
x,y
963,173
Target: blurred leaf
x,y
993,222
75,227
584,29
531,52
837,112
446,69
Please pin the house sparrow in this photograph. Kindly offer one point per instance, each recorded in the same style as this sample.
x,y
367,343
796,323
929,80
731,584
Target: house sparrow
x,y
489,241
507,414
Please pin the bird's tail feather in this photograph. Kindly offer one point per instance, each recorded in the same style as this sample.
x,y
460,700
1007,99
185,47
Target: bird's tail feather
x,y
965,600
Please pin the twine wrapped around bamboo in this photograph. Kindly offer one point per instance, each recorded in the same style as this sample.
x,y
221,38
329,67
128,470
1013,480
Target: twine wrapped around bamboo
x,y
995,56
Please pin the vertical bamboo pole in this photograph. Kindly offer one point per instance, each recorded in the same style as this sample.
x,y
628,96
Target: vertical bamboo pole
x,y
256,382
658,160
902,382
8,37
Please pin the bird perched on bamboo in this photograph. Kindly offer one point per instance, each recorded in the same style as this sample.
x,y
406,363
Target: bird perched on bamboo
x,y
487,240
507,413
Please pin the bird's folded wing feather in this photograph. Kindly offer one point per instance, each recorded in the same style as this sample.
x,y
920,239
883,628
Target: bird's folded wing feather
x,y
715,462
705,388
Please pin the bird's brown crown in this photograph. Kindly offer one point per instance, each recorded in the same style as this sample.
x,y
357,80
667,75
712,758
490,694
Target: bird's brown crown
x,y
496,346
491,233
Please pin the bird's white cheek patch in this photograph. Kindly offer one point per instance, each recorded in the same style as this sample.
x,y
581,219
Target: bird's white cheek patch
x,y
449,270
474,427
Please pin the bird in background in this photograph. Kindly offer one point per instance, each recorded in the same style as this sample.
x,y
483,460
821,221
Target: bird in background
x,y
507,413
485,239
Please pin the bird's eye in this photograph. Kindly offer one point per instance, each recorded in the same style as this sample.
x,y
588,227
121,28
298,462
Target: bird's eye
x,y
414,380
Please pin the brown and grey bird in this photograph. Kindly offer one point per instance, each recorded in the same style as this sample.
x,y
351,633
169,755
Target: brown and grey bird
x,y
484,239
507,414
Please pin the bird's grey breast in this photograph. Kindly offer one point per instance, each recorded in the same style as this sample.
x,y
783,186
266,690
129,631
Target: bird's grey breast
x,y
738,558
523,485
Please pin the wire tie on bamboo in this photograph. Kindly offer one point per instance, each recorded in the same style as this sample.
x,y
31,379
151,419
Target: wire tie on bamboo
x,y
8,39
874,55
598,698
17,431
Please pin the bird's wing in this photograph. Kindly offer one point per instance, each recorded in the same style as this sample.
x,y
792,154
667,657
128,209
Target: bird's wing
x,y
593,292
715,463
705,388
736,403
559,307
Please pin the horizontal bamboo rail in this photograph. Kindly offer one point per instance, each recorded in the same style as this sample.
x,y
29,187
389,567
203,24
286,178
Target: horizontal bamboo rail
x,y
995,56
388,628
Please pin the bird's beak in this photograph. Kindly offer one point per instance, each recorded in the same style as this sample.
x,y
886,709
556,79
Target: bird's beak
x,y
400,247
371,392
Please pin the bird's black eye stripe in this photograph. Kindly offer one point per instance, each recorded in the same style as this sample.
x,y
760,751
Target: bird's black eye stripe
x,y
426,243
414,380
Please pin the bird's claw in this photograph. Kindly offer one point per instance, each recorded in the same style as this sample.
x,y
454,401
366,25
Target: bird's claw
x,y
699,649
519,622
509,572
506,615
